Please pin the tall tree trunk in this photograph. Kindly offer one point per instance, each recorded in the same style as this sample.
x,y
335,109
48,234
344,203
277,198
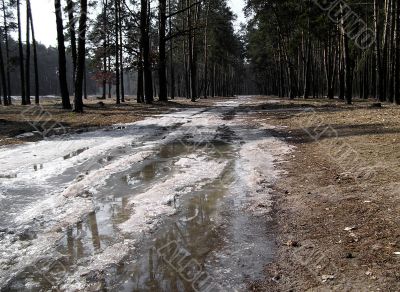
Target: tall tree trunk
x,y
62,61
78,104
392,62
348,64
140,97
194,81
140,94
21,55
186,69
109,69
9,102
28,56
121,46
378,66
185,55
162,63
3,74
85,96
105,4
213,80
366,80
117,75
307,62
171,55
397,66
385,47
192,61
281,73
341,74
71,26
349,67
144,28
35,57
330,60
206,83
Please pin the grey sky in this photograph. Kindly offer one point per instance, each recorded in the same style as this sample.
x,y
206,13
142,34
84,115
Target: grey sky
x,y
44,19
237,8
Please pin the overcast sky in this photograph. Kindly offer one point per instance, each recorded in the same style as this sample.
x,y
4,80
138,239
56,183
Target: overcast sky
x,y
237,8
44,19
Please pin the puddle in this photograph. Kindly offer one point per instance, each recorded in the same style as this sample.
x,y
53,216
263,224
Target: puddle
x,y
9,176
80,242
75,153
183,243
160,165
179,249
173,150
99,229
146,174
37,167
209,244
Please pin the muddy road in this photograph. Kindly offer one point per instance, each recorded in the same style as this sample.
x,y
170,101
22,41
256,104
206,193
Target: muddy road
x,y
177,202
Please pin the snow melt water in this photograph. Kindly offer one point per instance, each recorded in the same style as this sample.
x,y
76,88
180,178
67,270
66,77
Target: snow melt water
x,y
77,201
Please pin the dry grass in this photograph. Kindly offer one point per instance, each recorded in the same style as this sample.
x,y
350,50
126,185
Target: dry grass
x,y
325,191
16,120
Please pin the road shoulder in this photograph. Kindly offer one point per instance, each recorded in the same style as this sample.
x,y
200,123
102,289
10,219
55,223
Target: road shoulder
x,y
337,206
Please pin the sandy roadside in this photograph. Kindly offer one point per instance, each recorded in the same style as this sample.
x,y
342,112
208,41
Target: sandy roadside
x,y
337,207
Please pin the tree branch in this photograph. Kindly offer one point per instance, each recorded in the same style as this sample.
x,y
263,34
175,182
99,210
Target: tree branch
x,y
183,10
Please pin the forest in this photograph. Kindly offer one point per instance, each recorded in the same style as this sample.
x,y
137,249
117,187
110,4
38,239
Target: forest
x,y
312,48
326,48
180,49
199,145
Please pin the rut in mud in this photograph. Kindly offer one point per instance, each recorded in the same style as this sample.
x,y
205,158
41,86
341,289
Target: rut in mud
x,y
178,202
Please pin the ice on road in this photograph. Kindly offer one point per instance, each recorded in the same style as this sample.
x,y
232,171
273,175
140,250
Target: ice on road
x,y
83,211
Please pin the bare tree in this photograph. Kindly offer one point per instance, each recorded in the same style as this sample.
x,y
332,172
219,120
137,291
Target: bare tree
x,y
145,43
162,62
21,55
28,54
78,103
72,33
62,61
35,57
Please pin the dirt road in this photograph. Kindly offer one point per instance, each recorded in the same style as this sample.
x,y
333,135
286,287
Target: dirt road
x,y
177,202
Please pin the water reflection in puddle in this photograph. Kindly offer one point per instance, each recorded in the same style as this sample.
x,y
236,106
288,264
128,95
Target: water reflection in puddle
x,y
176,256
154,169
96,232
75,153
99,230
12,175
146,174
80,243
37,167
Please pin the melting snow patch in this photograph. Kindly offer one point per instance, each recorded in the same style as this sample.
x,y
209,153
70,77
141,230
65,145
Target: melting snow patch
x,y
17,254
60,207
151,205
99,262
256,168
79,191
25,135
98,177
